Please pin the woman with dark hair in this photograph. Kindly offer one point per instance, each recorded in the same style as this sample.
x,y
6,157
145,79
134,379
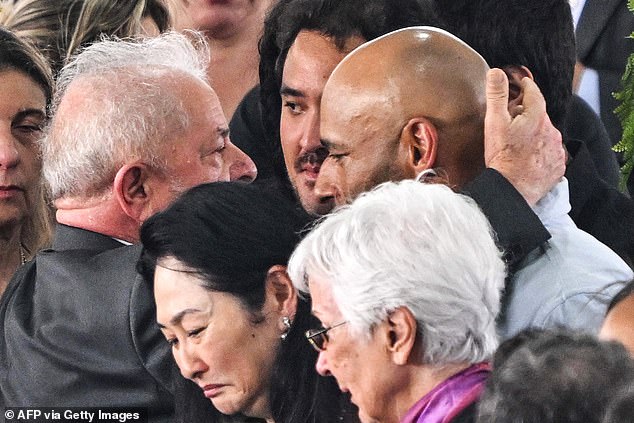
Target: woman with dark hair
x,y
25,92
217,261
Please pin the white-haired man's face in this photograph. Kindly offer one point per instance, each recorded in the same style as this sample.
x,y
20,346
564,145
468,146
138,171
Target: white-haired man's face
x,y
203,153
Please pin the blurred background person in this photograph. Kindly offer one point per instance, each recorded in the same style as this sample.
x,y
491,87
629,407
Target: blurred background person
x,y
619,319
25,93
554,377
602,29
60,28
233,29
406,282
217,261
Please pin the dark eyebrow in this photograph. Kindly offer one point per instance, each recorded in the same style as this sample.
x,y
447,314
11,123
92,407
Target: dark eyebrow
x,y
29,112
178,317
293,92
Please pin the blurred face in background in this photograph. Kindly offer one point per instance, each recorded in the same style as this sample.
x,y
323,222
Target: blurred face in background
x,y
218,18
22,116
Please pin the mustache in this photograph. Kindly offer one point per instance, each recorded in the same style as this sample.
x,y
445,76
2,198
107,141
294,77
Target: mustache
x,y
312,158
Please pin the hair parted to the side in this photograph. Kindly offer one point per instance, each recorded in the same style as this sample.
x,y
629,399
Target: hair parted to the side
x,y
129,106
416,245
231,234
60,28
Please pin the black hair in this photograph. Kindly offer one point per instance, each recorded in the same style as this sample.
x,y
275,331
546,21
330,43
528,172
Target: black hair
x,y
231,234
19,55
537,34
338,19
627,290
556,377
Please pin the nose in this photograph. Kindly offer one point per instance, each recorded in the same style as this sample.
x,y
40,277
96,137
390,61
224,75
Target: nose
x,y
9,155
310,140
241,167
326,188
322,365
189,362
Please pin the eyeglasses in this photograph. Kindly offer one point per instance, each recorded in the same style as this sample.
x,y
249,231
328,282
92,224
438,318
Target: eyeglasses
x,y
319,337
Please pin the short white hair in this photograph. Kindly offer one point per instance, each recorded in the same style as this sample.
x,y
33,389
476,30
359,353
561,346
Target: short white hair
x,y
131,108
414,245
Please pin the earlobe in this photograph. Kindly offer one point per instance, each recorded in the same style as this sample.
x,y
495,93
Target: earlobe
x,y
281,292
130,190
421,140
402,335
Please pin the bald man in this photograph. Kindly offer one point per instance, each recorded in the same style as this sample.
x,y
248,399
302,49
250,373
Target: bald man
x,y
413,102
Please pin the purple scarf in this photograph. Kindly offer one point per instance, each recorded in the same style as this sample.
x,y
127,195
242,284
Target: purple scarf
x,y
450,397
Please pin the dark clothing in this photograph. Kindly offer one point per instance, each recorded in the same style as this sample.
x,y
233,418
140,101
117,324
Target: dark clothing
x,y
583,124
598,208
603,44
79,329
247,133
518,229
468,415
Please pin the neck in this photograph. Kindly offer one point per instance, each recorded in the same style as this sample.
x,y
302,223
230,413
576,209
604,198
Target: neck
x,y
10,253
421,380
233,69
103,216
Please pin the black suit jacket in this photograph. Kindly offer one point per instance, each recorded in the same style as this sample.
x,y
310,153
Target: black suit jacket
x,y
78,329
602,44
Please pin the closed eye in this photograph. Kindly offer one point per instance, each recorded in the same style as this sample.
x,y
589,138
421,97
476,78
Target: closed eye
x,y
195,332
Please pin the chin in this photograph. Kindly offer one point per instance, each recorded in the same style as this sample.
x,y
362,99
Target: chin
x,y
226,407
316,208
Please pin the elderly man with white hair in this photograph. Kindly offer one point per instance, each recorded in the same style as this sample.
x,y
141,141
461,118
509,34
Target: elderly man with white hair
x,y
406,282
135,124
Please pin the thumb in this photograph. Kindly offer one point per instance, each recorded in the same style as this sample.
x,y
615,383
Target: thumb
x,y
497,94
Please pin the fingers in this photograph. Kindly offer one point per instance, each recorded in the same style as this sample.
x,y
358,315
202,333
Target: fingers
x,y
533,101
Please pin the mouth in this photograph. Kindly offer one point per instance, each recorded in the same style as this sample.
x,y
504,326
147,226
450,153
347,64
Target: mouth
x,y
8,191
310,163
213,390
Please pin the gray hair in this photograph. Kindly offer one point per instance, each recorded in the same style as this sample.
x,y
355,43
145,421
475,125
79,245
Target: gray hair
x,y
413,245
129,108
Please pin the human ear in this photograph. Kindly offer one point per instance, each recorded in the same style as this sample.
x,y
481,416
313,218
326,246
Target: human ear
x,y
130,190
402,335
515,75
420,138
280,292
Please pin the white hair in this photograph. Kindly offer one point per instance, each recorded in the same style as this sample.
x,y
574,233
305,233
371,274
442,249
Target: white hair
x,y
129,107
414,245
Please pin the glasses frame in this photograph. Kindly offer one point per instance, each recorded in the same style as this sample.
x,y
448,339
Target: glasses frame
x,y
319,337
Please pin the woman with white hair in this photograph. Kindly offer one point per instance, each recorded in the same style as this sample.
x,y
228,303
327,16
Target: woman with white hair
x,y
406,282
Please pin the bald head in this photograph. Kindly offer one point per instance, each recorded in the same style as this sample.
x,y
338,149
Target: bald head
x,y
419,90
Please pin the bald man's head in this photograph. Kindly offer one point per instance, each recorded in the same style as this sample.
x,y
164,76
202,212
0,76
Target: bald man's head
x,y
408,101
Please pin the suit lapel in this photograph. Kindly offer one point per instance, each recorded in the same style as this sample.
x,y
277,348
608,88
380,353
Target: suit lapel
x,y
593,20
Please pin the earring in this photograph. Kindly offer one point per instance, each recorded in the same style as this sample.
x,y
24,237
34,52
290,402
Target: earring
x,y
425,175
286,321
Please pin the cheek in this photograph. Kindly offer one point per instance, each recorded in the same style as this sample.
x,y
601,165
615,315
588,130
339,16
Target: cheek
x,y
289,137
